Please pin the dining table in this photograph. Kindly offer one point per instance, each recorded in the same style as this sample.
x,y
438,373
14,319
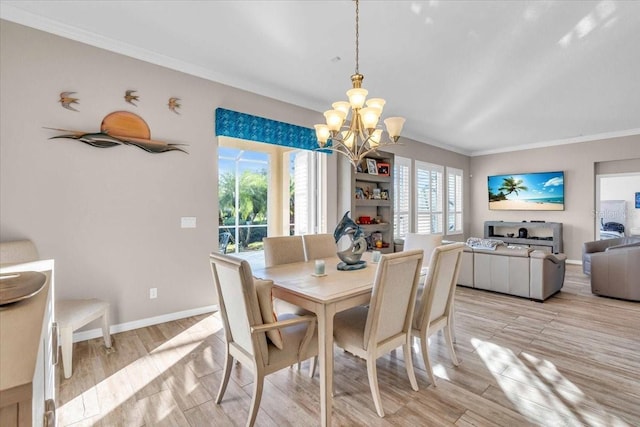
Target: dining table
x,y
325,295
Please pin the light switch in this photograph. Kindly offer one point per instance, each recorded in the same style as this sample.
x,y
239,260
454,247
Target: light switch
x,y
188,222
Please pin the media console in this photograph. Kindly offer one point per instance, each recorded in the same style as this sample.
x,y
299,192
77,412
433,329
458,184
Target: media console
x,y
540,235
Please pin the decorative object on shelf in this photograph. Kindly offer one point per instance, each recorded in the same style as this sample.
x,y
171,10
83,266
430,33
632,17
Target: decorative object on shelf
x,y
359,193
360,134
350,257
121,128
66,100
384,194
130,97
377,194
364,220
174,105
383,169
372,167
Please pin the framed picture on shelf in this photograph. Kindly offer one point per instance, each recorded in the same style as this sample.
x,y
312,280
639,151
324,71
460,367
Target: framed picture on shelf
x,y
372,167
383,169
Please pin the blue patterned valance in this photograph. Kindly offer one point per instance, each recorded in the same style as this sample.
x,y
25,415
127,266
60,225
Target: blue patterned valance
x,y
254,128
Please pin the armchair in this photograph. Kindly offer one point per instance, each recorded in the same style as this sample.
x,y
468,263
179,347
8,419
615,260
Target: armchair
x,y
291,338
616,273
590,248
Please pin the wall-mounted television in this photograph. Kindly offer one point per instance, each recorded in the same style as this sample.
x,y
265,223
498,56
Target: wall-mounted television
x,y
540,191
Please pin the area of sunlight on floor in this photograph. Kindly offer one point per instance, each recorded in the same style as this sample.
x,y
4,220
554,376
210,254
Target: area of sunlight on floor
x,y
119,388
539,391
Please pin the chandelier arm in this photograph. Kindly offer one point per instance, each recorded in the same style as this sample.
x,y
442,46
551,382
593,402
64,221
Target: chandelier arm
x,y
352,140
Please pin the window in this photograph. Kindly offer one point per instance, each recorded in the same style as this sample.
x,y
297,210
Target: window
x,y
454,201
307,197
402,199
243,195
429,198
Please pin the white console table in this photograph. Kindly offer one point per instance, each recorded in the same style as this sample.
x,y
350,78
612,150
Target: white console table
x,y
547,235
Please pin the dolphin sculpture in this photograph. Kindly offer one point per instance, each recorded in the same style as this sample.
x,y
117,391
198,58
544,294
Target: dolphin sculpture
x,y
350,256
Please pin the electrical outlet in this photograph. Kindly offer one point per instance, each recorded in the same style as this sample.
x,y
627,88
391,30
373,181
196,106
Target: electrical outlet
x,y
153,293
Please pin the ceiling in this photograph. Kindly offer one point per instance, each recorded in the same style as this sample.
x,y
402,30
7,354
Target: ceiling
x,y
476,77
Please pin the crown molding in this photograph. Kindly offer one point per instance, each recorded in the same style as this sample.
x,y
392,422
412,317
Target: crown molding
x,y
543,144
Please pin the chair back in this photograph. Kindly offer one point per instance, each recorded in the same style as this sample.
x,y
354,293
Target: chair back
x,y
426,242
393,297
318,246
17,252
283,250
239,307
436,300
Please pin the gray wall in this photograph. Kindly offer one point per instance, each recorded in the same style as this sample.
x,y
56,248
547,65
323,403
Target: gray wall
x,y
578,161
111,217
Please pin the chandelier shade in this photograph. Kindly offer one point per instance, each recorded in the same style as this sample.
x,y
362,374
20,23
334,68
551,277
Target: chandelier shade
x,y
352,129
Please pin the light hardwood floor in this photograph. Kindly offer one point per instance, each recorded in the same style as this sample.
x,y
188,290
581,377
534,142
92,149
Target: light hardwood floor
x,y
573,360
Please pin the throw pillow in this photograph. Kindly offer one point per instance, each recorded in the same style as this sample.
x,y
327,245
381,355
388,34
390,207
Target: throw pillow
x,y
264,292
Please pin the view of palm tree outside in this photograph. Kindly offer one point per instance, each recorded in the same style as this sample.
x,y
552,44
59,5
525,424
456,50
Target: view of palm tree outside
x,y
243,190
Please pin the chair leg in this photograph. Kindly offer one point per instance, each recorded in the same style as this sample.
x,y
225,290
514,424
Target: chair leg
x,y
372,373
258,383
66,343
106,333
408,363
449,340
424,343
228,364
452,322
312,366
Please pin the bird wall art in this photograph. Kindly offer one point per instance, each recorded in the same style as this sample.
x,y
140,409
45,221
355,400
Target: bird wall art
x,y
130,97
121,128
66,100
174,105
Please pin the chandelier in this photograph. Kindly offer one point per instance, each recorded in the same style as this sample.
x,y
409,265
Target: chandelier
x,y
357,134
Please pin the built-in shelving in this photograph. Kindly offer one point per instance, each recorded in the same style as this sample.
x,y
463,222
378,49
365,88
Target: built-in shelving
x,y
540,235
356,194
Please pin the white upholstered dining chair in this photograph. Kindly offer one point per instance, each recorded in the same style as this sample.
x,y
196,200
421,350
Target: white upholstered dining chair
x,y
252,335
283,250
371,332
434,303
286,250
426,242
318,246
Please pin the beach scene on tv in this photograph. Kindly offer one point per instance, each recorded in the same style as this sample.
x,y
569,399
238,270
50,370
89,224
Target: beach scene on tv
x,y
543,191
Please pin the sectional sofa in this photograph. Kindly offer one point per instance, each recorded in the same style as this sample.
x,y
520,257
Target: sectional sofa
x,y
515,271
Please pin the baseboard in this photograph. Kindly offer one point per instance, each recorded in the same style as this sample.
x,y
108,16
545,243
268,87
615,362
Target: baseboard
x,y
574,261
136,324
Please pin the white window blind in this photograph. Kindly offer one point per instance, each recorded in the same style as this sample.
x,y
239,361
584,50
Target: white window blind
x,y
429,198
401,199
302,193
454,201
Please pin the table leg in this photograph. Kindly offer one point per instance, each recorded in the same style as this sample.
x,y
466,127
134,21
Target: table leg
x,y
325,315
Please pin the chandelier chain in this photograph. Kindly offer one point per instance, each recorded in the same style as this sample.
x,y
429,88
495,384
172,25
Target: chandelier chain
x,y
357,38
352,128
